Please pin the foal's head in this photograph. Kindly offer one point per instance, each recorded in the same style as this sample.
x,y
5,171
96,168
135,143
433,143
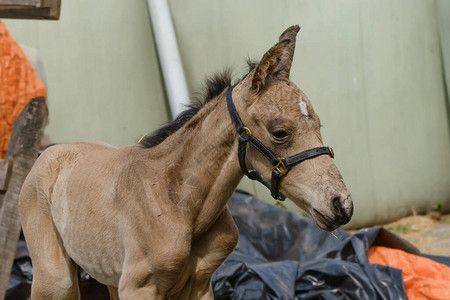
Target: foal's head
x,y
280,115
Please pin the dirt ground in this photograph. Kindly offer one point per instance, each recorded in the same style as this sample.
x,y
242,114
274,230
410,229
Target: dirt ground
x,y
429,235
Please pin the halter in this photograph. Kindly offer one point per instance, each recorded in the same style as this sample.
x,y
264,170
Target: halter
x,y
280,164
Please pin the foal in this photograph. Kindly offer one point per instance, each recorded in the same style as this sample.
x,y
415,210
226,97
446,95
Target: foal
x,y
150,221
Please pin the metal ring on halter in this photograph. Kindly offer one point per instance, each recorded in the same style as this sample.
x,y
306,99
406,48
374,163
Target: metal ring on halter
x,y
331,152
245,132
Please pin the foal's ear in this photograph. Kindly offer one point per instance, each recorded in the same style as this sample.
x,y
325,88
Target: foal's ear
x,y
277,61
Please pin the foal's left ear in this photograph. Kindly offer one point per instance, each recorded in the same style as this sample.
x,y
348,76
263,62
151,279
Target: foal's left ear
x,y
277,61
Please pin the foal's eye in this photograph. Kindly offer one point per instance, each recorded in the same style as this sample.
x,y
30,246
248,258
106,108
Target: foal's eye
x,y
280,135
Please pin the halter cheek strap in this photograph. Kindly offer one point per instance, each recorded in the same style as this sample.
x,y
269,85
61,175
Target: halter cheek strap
x,y
280,165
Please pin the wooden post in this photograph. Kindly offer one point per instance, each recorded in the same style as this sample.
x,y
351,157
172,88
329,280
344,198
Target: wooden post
x,y
23,150
5,174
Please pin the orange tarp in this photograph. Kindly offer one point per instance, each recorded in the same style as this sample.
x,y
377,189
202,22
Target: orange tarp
x,y
424,278
18,84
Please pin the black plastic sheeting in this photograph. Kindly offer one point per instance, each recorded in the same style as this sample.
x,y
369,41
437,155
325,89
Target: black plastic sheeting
x,y
280,255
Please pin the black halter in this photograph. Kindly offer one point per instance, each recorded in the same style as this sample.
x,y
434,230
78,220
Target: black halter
x,y
280,165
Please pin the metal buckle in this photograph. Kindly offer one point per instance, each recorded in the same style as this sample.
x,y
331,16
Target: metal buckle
x,y
245,132
280,167
331,152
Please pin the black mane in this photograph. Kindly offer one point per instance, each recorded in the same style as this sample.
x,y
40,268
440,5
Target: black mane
x,y
214,86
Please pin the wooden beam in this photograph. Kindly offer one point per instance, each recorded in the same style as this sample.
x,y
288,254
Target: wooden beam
x,y
23,149
35,3
30,9
5,174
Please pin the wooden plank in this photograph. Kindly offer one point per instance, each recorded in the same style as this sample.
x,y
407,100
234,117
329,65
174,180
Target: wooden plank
x,y
35,3
5,173
23,150
30,9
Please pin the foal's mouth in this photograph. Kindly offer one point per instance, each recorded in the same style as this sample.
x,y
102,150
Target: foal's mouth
x,y
324,222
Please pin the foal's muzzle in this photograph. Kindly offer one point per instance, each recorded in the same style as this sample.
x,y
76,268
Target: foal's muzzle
x,y
343,210
339,213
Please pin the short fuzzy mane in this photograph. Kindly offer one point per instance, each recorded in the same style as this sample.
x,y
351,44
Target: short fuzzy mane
x,y
214,86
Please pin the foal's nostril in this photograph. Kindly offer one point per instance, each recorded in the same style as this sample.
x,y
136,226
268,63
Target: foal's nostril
x,y
343,210
338,206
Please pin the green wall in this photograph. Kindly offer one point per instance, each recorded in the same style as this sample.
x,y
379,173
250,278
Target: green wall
x,y
444,26
372,69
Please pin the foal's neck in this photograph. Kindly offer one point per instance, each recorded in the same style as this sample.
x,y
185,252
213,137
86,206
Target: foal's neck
x,y
204,169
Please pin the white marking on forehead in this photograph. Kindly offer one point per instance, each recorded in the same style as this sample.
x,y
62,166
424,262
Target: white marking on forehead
x,y
303,107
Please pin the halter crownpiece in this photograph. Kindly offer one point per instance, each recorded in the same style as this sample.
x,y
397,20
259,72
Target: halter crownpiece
x,y
280,164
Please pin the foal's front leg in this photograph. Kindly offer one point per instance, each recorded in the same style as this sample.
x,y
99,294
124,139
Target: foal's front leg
x,y
150,272
208,253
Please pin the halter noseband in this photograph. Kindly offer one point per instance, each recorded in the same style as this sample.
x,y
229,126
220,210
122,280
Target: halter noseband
x,y
280,164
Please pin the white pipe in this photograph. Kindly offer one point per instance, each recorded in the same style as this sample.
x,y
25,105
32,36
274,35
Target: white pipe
x,y
169,56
